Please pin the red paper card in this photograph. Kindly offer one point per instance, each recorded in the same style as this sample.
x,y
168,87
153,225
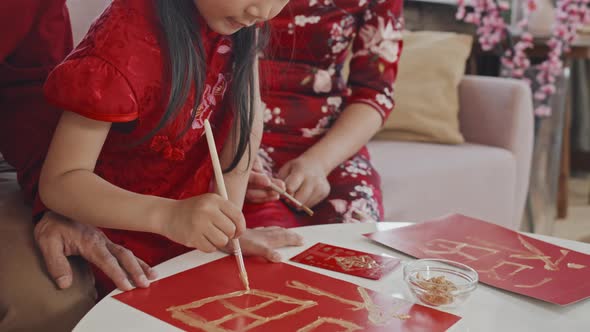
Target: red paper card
x,y
503,258
349,261
283,298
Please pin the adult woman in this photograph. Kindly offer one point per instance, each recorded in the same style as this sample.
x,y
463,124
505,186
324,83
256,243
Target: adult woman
x,y
316,121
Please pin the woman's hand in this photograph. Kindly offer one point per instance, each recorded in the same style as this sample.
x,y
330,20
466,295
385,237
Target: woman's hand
x,y
306,180
259,182
206,222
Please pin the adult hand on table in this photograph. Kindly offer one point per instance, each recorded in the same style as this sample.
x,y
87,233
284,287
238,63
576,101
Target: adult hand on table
x,y
59,237
263,241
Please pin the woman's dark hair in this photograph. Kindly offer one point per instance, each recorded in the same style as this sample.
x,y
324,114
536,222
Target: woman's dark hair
x,y
186,68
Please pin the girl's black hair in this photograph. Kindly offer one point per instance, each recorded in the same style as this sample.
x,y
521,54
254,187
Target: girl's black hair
x,y
186,68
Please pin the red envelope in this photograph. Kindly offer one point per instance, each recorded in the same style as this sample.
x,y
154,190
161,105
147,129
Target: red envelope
x,y
283,298
349,261
503,258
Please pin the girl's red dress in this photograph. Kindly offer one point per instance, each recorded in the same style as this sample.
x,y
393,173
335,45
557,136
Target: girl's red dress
x,y
116,75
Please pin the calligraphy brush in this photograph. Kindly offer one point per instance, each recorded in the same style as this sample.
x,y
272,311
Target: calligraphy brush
x,y
222,190
291,198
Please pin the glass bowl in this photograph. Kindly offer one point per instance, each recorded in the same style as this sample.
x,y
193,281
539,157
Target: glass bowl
x,y
440,282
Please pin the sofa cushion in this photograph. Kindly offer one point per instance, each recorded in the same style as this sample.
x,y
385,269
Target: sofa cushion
x,y
427,88
423,181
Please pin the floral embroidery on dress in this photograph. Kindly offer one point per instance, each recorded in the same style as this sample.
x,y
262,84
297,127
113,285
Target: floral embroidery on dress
x,y
211,95
265,159
355,167
324,2
332,104
323,78
320,128
341,34
332,107
223,49
362,207
382,40
162,145
272,115
301,20
322,81
385,98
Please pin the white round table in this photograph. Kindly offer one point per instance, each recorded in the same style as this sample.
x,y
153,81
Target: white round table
x,y
488,309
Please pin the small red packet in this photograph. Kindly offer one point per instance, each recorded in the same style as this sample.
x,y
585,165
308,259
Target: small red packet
x,y
349,261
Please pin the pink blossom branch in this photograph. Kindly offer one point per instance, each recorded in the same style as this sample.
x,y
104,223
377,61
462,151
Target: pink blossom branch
x,y
492,30
570,15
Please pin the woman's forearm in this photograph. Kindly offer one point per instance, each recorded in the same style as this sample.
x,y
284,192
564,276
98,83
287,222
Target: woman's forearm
x,y
357,124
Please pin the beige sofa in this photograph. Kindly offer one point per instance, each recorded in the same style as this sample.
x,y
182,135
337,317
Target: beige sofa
x,y
487,177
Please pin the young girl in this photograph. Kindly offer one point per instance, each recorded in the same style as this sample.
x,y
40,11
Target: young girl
x,y
129,154
316,122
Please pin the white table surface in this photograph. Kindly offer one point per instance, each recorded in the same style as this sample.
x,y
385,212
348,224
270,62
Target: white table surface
x,y
488,309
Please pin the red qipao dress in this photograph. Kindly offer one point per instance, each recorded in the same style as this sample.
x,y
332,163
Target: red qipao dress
x,y
305,90
117,75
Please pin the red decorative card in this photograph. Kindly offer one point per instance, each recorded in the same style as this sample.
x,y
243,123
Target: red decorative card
x,y
349,261
503,258
283,298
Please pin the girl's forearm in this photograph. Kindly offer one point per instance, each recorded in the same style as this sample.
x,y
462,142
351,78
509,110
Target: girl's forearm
x,y
83,196
357,124
69,186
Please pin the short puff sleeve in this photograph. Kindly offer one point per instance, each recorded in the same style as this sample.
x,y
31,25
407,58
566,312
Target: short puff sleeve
x,y
93,88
